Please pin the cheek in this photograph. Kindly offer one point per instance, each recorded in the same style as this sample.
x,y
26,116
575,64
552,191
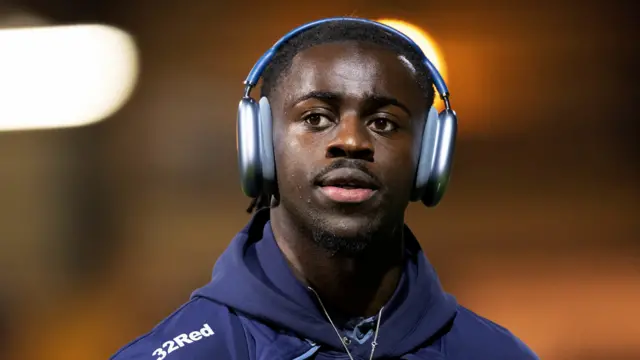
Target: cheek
x,y
292,163
404,172
398,166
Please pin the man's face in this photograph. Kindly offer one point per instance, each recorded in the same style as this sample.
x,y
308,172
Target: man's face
x,y
348,120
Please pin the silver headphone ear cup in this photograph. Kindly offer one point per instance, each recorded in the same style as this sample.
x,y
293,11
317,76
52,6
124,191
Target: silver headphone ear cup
x,y
266,145
443,159
427,154
248,146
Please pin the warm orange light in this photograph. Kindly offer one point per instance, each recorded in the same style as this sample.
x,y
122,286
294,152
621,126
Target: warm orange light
x,y
425,42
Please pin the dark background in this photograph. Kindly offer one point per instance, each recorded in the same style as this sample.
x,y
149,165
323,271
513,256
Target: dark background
x,y
105,229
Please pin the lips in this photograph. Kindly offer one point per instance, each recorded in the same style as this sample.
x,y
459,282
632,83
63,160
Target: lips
x,y
348,186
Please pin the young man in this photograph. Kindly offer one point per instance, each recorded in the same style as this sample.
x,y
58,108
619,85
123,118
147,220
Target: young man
x,y
326,268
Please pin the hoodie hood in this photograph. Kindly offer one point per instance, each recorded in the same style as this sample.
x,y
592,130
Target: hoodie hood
x,y
253,277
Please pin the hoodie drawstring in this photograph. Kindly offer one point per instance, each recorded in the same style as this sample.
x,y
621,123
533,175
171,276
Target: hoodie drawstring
x,y
374,343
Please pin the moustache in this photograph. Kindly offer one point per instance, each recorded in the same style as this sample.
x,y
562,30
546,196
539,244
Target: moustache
x,y
346,164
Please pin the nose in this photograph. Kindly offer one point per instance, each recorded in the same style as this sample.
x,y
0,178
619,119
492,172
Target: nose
x,y
352,140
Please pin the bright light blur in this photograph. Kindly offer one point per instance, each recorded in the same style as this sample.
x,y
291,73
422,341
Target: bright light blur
x,y
64,76
425,42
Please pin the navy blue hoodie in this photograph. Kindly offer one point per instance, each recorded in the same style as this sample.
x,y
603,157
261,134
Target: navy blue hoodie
x,y
255,309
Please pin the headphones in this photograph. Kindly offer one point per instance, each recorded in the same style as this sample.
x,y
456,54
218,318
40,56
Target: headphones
x,y
254,136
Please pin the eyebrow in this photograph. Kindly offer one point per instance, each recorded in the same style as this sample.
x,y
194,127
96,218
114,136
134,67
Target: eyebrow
x,y
373,100
379,101
326,96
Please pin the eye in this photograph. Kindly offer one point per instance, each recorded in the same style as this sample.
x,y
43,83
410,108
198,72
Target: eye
x,y
317,121
382,125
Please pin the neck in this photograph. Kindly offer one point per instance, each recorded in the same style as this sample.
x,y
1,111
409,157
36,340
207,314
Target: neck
x,y
349,286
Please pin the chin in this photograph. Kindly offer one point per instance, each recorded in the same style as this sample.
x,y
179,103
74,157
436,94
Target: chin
x,y
345,234
349,224
345,229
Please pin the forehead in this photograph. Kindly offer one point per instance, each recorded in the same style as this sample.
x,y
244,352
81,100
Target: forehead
x,y
353,70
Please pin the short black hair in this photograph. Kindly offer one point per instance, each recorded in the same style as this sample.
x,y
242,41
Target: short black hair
x,y
340,31
343,31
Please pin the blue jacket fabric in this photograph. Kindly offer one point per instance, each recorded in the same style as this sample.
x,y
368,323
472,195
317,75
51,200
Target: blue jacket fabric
x,y
255,309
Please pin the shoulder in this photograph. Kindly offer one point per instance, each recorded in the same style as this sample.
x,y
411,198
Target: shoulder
x,y
474,334
196,330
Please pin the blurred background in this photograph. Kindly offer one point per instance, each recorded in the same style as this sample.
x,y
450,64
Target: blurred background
x,y
119,186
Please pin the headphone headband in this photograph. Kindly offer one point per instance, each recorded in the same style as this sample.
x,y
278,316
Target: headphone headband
x,y
261,64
